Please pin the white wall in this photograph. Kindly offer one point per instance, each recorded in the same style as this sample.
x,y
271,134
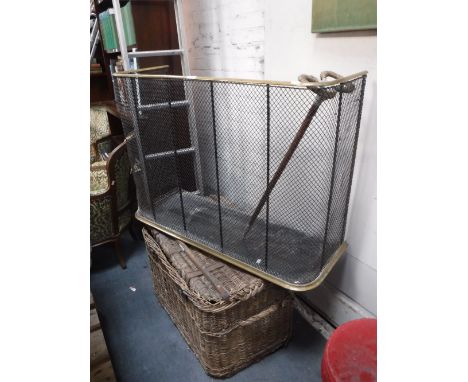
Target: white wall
x,y
225,38
272,39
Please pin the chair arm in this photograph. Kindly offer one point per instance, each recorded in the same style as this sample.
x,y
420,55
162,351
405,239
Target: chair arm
x,y
110,163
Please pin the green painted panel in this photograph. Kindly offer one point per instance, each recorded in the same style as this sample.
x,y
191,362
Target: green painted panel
x,y
343,15
129,27
109,30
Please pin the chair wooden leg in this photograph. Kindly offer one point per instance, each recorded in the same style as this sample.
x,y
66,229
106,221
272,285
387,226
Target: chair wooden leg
x,y
118,252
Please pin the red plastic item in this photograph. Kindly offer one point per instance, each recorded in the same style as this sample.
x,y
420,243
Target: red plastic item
x,y
351,353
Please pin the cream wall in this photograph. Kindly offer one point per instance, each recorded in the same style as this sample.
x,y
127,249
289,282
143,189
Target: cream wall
x,y
225,38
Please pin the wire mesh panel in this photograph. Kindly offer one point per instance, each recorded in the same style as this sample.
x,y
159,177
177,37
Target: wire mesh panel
x,y
258,174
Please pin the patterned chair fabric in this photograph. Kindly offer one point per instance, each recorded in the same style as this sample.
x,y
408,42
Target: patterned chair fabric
x,y
99,129
101,219
99,181
99,123
102,227
122,175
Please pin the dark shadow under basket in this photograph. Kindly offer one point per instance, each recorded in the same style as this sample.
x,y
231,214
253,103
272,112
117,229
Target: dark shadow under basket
x,y
227,333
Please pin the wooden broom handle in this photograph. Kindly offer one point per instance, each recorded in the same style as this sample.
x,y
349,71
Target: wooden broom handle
x,y
322,95
212,279
284,162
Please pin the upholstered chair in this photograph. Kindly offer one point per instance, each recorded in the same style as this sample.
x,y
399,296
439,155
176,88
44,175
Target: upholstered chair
x,y
111,202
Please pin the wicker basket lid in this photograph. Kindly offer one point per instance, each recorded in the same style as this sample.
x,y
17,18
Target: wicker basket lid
x,y
211,280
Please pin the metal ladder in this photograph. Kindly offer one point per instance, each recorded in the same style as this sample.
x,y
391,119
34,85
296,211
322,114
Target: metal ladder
x,y
94,34
181,52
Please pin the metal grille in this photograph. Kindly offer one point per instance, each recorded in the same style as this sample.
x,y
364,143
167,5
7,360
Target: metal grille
x,y
207,156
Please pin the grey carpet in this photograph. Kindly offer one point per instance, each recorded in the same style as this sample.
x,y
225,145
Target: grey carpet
x,y
144,344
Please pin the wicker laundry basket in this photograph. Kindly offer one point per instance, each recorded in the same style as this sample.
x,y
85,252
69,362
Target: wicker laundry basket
x,y
229,318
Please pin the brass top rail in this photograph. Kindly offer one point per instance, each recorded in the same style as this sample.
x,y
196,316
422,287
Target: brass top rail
x,y
296,84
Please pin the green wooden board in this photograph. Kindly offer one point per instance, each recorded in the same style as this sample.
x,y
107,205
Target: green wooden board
x,y
109,30
343,15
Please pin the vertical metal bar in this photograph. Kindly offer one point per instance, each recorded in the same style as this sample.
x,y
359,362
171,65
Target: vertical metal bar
x,y
332,180
176,157
179,16
268,177
121,34
135,64
135,59
192,124
93,49
216,164
286,158
94,31
141,155
94,38
356,138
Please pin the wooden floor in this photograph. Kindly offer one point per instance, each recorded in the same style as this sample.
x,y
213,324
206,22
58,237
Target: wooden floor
x,y
101,366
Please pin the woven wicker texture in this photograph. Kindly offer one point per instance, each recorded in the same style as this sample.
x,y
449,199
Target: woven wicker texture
x,y
226,334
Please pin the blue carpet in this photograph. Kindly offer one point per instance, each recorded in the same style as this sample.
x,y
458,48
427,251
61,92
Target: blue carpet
x,y
145,345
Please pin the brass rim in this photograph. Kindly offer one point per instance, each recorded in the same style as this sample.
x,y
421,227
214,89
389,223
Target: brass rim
x,y
321,84
275,280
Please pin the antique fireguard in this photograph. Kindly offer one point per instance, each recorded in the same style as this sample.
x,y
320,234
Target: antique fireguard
x,y
257,173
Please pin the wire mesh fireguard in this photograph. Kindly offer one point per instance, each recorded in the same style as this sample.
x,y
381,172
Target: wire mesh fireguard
x,y
257,173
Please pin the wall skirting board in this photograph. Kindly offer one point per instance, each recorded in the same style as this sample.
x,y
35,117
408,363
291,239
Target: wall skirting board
x,y
334,305
313,318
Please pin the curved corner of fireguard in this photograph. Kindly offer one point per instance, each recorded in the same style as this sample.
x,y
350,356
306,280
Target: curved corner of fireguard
x,y
323,274
266,276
